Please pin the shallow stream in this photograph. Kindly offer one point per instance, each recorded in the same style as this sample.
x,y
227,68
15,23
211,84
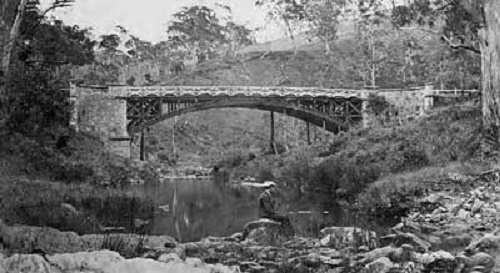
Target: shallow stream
x,y
190,209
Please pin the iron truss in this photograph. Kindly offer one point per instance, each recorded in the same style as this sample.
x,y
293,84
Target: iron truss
x,y
145,110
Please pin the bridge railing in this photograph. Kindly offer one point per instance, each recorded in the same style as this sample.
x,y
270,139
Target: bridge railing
x,y
457,92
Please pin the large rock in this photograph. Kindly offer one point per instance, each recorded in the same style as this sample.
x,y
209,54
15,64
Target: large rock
x,y
150,266
25,264
25,239
489,244
88,260
400,238
263,232
102,262
130,241
480,262
341,237
264,236
261,223
375,254
381,265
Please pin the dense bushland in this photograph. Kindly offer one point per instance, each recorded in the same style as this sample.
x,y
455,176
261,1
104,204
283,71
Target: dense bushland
x,y
356,163
73,158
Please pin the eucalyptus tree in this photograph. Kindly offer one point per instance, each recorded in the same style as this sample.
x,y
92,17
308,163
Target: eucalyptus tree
x,y
12,13
290,14
470,25
196,30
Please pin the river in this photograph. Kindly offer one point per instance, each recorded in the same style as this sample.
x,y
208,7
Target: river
x,y
190,209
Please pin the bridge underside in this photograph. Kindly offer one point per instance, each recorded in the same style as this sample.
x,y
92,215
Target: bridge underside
x,y
334,114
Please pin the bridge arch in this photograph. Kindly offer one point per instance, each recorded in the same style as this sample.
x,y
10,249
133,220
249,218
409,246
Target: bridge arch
x,y
313,116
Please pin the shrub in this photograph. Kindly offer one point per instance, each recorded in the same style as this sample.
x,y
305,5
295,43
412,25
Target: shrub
x,y
336,178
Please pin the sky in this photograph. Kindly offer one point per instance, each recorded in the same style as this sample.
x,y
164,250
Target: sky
x,y
148,19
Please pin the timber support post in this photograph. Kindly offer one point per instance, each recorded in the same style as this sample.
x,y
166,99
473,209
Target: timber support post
x,y
142,152
271,143
308,133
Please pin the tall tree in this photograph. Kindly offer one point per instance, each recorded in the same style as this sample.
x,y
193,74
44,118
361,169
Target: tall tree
x,y
472,25
290,14
40,68
10,33
11,17
197,30
324,19
374,47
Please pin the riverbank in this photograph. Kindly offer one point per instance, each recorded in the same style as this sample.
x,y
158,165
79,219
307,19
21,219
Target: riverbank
x,y
453,229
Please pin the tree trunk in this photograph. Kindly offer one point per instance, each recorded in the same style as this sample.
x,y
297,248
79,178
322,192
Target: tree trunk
x,y
14,34
7,48
490,68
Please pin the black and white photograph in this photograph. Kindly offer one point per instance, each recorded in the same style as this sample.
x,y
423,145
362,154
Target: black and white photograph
x,y
250,136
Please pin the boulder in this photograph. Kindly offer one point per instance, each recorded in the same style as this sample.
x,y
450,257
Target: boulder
x,y
428,258
263,232
102,262
264,236
489,244
400,238
381,265
151,266
88,260
26,264
375,254
480,262
169,257
261,223
341,237
315,260
24,239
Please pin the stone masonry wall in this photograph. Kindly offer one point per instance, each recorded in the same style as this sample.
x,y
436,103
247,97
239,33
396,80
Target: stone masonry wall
x,y
99,113
405,105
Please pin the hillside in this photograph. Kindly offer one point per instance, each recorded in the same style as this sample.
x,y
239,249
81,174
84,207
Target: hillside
x,y
346,31
211,137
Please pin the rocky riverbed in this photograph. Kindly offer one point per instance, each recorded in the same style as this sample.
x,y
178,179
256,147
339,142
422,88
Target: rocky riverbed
x,y
454,229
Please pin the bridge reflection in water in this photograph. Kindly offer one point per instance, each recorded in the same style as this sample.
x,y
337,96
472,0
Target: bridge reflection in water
x,y
190,209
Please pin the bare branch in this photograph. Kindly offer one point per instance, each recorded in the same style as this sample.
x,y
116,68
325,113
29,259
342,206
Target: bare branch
x,y
459,46
57,4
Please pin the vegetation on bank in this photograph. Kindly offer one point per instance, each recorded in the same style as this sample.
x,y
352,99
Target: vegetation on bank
x,y
378,169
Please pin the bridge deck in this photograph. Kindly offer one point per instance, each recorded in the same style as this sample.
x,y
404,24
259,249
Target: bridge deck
x,y
244,91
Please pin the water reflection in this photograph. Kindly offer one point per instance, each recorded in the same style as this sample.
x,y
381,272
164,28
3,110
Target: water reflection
x,y
190,209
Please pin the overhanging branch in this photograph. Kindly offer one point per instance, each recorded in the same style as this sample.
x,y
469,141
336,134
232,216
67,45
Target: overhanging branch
x,y
460,46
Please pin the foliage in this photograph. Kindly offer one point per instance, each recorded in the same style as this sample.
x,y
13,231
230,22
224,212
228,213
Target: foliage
x,y
323,18
38,75
198,30
290,14
339,179
462,20
53,43
377,104
360,158
39,202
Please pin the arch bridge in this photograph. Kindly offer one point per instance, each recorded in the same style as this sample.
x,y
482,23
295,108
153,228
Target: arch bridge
x,y
115,113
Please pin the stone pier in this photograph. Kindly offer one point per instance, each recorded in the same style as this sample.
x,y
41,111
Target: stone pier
x,y
98,111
